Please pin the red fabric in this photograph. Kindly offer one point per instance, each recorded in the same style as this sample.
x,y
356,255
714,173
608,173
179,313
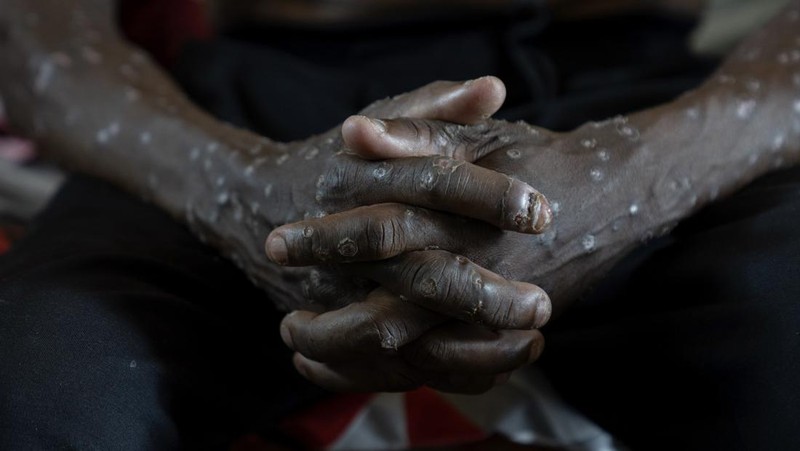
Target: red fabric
x,y
320,425
433,421
162,27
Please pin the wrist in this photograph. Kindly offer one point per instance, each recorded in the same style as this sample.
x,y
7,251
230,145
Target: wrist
x,y
247,186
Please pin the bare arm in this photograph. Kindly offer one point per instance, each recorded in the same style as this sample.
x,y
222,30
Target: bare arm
x,y
612,184
622,181
101,107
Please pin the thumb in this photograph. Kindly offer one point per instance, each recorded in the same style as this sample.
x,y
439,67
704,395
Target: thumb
x,y
464,102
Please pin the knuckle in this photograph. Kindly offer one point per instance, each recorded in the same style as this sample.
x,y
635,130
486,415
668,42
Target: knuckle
x,y
376,332
430,134
393,334
481,140
424,275
351,181
427,131
453,282
308,244
426,179
367,331
499,314
481,147
449,134
440,177
385,237
458,141
337,181
466,288
418,129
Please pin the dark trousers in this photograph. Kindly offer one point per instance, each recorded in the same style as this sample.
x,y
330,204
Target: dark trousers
x,y
119,330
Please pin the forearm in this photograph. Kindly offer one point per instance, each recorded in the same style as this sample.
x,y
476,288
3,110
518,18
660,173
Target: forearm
x,y
658,166
742,123
99,106
103,110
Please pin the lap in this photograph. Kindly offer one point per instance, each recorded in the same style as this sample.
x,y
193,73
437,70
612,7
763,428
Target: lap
x,y
117,326
695,344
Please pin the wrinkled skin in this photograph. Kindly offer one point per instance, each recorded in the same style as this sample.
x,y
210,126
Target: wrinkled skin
x,y
439,178
341,181
101,107
397,260
611,185
610,188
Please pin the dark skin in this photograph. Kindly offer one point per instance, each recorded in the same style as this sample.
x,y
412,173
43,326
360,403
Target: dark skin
x,y
98,106
613,185
428,325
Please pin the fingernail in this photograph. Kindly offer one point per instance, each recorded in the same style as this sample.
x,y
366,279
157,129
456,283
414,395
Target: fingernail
x,y
286,336
541,213
543,311
378,124
502,378
277,250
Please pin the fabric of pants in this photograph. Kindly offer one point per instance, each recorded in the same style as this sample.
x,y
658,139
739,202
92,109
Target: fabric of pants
x,y
119,330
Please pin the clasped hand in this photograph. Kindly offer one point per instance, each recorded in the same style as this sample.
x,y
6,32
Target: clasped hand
x,y
422,308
